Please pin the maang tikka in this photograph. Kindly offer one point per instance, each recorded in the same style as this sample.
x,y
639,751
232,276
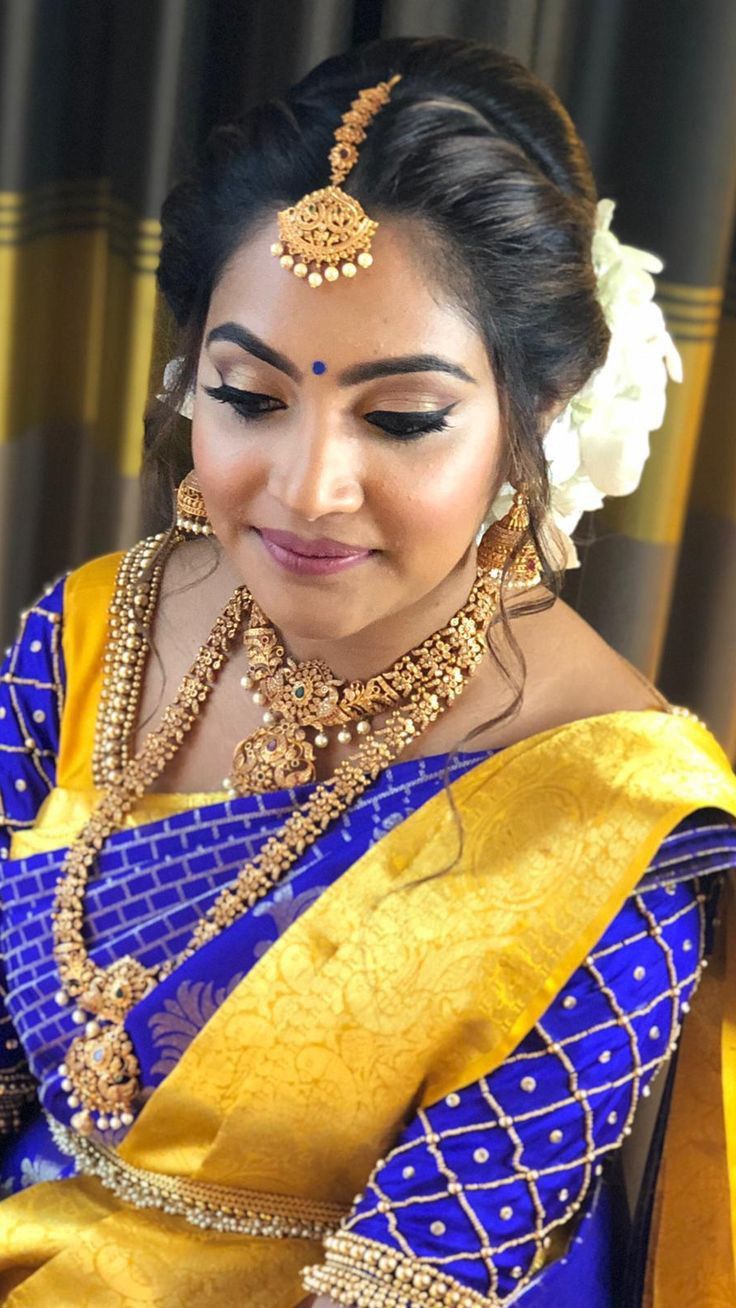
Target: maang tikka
x,y
328,232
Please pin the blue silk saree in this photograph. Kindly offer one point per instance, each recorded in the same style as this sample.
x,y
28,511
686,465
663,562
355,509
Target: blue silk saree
x,y
417,1084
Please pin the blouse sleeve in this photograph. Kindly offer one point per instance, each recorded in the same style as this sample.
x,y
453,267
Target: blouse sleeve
x,y
31,701
479,1188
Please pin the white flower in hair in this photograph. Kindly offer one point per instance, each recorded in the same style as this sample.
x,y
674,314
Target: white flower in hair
x,y
599,444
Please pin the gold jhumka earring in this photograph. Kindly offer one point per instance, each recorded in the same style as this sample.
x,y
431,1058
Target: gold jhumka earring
x,y
502,538
191,511
328,232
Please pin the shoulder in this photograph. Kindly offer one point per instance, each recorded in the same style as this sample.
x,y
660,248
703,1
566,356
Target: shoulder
x,y
32,688
91,588
98,576
571,673
587,673
37,632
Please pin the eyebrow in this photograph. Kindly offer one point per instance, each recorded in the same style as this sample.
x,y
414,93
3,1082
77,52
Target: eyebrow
x,y
252,344
362,372
359,372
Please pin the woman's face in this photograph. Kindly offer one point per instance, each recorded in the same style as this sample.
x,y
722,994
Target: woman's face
x,y
346,438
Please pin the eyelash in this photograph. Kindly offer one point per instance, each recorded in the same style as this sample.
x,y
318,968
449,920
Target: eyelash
x,y
251,405
247,404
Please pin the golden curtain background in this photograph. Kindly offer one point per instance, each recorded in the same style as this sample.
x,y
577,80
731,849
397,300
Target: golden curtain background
x,y
102,104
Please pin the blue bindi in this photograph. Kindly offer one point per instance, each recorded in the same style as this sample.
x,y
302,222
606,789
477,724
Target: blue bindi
x,y
318,367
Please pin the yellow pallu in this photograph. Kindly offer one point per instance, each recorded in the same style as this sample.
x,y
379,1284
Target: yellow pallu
x,y
415,973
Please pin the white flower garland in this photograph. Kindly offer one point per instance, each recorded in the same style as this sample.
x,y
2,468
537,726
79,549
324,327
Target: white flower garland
x,y
599,444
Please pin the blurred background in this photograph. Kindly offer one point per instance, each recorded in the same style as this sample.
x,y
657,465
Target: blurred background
x,y
103,104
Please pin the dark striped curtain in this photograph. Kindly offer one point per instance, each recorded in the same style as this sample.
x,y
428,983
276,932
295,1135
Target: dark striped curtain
x,y
102,103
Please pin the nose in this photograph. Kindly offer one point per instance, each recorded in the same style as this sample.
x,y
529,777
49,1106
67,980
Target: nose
x,y
317,472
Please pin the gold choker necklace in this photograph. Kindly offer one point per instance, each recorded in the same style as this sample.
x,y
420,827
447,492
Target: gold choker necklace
x,y
301,696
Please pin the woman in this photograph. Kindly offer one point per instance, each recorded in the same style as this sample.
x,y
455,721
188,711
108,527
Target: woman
x,y
321,924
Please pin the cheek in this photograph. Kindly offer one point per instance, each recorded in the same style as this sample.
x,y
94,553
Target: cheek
x,y
442,495
230,467
423,498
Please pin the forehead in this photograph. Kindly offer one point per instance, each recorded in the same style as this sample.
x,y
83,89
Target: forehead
x,y
391,308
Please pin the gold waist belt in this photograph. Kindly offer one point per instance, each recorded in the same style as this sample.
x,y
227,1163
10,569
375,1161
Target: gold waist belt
x,y
212,1207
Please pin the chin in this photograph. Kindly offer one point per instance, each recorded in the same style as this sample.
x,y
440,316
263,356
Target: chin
x,y
311,608
309,618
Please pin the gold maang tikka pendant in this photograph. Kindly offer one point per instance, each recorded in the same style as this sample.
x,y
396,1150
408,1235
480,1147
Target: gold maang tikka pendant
x,y
328,232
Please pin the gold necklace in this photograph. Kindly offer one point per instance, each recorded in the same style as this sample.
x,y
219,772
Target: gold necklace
x,y
133,604
297,696
101,1073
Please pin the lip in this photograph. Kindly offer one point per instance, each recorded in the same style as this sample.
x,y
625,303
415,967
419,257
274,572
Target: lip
x,y
310,557
323,547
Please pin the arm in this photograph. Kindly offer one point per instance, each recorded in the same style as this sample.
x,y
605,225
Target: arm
x,y
484,1188
31,698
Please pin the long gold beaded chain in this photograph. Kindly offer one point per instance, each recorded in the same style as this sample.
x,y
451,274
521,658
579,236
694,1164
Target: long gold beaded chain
x,y
101,1070
101,1073
133,604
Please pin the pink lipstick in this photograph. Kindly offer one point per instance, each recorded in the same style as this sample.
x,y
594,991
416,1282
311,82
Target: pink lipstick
x,y
311,557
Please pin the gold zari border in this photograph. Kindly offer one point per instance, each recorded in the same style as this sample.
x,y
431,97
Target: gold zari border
x,y
363,1271
211,1207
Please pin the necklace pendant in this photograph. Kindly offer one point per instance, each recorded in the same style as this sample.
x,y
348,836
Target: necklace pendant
x,y
117,989
103,1074
273,758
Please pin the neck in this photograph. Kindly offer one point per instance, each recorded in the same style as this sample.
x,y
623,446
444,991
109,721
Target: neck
x,y
374,648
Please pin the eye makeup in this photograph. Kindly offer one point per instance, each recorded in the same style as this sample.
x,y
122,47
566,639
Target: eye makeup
x,y
404,425
246,404
398,424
